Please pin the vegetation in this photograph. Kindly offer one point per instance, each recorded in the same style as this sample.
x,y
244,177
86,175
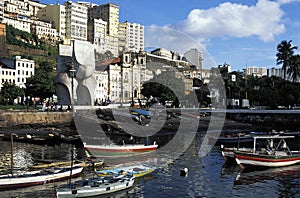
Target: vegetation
x,y
42,83
10,92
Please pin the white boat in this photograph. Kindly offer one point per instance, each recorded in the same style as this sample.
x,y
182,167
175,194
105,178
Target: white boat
x,y
118,150
31,178
272,156
95,186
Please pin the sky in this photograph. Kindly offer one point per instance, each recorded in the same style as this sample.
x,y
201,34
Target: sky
x,y
239,33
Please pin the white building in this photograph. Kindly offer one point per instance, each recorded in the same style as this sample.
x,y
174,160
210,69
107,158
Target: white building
x,y
275,72
131,36
97,31
101,91
76,21
256,71
16,71
44,30
194,57
1,10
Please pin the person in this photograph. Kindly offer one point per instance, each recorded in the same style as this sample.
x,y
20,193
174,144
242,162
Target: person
x,y
44,106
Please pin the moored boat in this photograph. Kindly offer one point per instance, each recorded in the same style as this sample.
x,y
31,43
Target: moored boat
x,y
118,150
138,170
31,178
95,186
271,156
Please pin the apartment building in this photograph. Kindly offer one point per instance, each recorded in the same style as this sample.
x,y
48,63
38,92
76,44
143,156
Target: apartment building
x,y
194,57
44,30
256,71
97,32
101,91
16,71
131,37
1,10
76,21
56,14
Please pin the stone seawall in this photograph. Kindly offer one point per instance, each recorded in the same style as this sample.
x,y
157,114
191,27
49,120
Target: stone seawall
x,y
21,118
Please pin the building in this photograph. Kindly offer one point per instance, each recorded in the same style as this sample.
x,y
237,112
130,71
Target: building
x,y
162,53
16,71
131,37
256,71
101,91
194,57
44,30
97,31
76,21
1,11
275,72
56,15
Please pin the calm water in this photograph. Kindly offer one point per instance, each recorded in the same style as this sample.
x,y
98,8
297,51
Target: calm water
x,y
208,176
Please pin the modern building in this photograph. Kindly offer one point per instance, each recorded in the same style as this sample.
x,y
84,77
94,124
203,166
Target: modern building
x,y
256,71
97,31
56,15
131,37
1,11
194,57
76,21
275,72
44,30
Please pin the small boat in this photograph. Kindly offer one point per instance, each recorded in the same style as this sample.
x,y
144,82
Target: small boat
x,y
55,164
271,156
95,186
31,178
118,150
235,139
228,152
138,170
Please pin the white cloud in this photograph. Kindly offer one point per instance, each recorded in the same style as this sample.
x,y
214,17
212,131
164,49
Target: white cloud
x,y
287,1
236,20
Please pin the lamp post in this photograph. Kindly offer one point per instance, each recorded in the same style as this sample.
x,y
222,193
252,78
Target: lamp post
x,y
72,74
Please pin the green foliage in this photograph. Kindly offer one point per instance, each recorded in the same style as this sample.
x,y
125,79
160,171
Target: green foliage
x,y
41,84
164,86
27,40
9,92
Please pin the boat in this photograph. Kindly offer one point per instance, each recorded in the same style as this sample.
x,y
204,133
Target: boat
x,y
276,154
138,170
95,186
31,178
235,139
118,150
55,164
228,152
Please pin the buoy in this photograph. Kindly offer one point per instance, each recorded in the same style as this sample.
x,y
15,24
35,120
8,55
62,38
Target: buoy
x,y
184,172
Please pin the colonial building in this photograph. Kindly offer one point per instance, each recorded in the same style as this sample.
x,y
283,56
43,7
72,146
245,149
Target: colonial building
x,y
16,71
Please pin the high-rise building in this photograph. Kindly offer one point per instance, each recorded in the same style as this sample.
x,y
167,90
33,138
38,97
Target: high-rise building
x,y
76,21
56,14
108,12
97,31
194,57
131,37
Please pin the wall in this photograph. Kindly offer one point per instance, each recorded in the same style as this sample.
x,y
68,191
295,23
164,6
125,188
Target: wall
x,y
18,118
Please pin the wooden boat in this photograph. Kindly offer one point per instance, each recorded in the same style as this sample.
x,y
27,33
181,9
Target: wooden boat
x,y
118,150
95,186
228,152
138,170
235,139
271,156
31,178
55,164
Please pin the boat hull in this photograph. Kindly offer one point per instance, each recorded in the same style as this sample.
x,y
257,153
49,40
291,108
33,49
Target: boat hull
x,y
8,182
88,191
249,159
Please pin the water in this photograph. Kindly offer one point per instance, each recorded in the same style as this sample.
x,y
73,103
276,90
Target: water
x,y
208,176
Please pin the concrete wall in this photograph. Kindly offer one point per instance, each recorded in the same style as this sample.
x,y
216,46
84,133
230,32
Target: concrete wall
x,y
17,118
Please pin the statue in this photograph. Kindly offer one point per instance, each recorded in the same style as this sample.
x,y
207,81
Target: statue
x,y
80,58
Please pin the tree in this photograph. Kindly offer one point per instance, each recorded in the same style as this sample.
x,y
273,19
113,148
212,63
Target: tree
x,y
10,92
294,69
164,86
42,83
285,54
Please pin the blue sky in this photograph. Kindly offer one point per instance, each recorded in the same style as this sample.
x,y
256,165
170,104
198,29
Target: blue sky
x,y
240,33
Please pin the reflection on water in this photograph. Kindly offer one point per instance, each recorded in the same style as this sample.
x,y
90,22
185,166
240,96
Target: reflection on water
x,y
207,176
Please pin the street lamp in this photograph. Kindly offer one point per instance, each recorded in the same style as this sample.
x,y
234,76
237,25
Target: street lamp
x,y
72,74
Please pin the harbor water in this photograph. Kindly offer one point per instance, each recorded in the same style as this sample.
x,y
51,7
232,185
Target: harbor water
x,y
208,175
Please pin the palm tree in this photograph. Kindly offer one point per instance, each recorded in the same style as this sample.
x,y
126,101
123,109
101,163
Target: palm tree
x,y
294,69
285,54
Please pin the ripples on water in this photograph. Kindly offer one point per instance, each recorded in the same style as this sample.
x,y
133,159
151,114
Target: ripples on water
x,y
207,177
